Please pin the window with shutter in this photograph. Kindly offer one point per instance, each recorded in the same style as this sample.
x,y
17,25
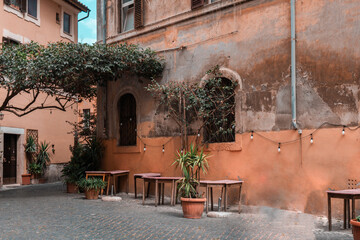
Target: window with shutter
x,y
196,3
139,13
17,4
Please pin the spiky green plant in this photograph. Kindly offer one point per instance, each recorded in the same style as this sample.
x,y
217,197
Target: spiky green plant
x,y
92,183
191,163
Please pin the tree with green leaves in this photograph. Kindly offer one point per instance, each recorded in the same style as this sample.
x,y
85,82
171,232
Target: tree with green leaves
x,y
66,72
213,103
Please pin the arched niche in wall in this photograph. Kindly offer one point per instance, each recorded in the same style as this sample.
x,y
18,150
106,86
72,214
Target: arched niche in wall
x,y
228,74
126,109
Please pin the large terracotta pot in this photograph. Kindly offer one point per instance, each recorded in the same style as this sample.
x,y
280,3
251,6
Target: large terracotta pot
x,y
92,194
25,179
71,188
355,229
193,207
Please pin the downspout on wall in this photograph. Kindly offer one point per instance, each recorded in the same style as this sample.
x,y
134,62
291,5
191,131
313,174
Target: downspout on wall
x,y
293,65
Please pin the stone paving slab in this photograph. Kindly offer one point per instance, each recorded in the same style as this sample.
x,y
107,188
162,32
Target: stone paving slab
x,y
46,212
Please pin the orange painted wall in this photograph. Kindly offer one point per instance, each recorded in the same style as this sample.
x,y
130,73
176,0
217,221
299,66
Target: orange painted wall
x,y
252,38
296,178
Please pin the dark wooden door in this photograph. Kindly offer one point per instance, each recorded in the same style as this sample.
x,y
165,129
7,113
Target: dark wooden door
x,y
127,117
9,166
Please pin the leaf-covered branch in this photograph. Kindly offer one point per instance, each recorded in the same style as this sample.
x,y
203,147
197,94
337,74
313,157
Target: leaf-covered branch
x,y
66,71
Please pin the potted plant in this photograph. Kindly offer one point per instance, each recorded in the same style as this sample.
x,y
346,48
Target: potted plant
x,y
356,227
70,177
192,163
30,150
92,187
35,170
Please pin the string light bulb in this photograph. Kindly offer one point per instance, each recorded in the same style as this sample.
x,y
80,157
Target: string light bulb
x,y
252,135
144,147
163,150
279,149
181,151
311,139
343,131
198,134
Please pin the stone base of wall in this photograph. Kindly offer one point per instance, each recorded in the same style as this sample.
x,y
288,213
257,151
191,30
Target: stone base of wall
x,y
53,172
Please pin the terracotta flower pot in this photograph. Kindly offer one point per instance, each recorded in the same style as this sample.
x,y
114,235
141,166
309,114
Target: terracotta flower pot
x,y
25,179
71,188
193,207
92,194
355,229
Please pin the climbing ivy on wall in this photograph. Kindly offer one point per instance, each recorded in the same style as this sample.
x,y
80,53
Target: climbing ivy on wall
x,y
213,103
66,71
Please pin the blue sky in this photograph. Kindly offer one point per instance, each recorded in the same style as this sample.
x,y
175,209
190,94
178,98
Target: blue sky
x,y
87,27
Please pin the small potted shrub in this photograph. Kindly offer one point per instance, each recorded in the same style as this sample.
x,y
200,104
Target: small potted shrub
x,y
70,178
356,227
35,170
92,187
191,163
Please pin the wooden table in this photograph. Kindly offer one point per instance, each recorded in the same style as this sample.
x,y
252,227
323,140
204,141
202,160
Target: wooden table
x,y
346,194
160,181
108,175
225,184
141,175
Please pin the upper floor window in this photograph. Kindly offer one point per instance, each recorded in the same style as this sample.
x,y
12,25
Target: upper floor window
x,y
86,118
67,23
127,15
32,8
17,4
9,41
130,14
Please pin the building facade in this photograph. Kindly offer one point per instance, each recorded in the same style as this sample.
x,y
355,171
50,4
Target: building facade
x,y
42,21
284,165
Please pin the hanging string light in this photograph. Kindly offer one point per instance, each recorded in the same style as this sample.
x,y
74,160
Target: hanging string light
x,y
343,131
311,139
144,147
198,134
279,149
163,150
252,135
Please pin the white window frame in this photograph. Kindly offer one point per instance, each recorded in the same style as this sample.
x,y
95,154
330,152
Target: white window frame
x,y
31,18
212,1
124,5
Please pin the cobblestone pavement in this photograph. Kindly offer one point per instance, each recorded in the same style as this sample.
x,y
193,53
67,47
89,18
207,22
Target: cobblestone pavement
x,y
47,212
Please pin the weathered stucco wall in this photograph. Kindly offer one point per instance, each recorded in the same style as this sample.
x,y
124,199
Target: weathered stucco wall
x,y
253,39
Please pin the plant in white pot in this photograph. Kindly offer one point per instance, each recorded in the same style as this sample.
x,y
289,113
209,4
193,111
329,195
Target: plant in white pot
x,y
192,163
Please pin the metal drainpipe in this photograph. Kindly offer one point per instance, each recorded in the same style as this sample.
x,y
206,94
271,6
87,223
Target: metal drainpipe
x,y
104,21
293,64
105,133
